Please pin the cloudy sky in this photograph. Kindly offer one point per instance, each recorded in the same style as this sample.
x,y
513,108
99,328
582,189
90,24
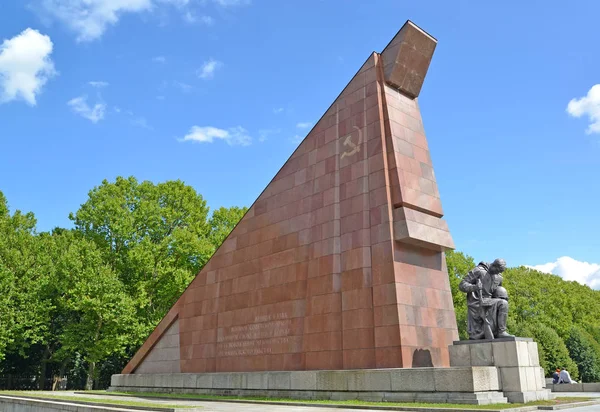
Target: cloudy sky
x,y
218,93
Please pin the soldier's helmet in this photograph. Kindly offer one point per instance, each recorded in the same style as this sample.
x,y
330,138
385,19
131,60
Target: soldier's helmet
x,y
500,264
500,293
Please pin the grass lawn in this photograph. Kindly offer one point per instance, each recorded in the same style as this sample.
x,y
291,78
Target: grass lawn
x,y
556,401
108,400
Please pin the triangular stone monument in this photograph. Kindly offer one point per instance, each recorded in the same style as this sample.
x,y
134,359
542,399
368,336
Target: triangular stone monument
x,y
339,264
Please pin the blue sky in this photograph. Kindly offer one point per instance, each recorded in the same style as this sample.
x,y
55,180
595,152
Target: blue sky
x,y
101,88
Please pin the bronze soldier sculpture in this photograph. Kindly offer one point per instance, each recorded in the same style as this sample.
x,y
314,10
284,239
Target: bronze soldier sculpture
x,y
487,301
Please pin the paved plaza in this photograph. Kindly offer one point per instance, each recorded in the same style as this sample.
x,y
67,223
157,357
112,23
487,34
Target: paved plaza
x,y
234,406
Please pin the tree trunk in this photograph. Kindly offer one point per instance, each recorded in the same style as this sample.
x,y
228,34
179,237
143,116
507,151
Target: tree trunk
x,y
61,372
43,364
89,384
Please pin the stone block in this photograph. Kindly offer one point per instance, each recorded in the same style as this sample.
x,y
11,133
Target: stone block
x,y
257,380
453,379
460,355
369,380
399,396
591,387
189,380
221,381
303,380
332,381
413,380
238,380
165,380
466,379
481,355
370,396
568,387
132,380
343,396
279,380
434,397
527,396
542,377
534,357
523,353
505,354
303,394
323,395
485,379
204,380
116,380
513,379
532,377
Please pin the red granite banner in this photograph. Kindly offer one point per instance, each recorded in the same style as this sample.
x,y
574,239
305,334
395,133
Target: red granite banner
x,y
339,263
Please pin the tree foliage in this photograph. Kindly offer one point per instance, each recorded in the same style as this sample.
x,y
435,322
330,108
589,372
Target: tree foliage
x,y
81,301
553,352
584,350
154,236
459,265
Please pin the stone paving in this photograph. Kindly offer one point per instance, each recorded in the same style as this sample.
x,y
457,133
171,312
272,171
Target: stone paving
x,y
232,406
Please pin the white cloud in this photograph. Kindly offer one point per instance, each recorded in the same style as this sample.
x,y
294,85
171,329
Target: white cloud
x,y
97,84
278,110
94,114
25,66
297,139
229,3
176,3
304,125
207,71
159,59
208,134
573,270
192,18
90,18
589,106
263,134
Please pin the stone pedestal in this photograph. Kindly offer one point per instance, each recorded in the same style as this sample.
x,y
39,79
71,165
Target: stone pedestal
x,y
465,385
516,360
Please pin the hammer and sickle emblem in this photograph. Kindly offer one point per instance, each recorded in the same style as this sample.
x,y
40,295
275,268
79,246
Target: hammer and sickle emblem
x,y
355,148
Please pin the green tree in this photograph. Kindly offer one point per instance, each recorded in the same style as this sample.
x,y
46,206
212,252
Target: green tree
x,y
585,351
537,297
21,281
154,237
222,222
104,316
459,265
552,350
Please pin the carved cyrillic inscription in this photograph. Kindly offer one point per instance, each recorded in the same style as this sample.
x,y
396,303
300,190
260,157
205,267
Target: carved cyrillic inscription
x,y
255,339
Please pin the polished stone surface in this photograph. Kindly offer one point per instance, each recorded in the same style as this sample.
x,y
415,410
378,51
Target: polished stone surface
x,y
339,263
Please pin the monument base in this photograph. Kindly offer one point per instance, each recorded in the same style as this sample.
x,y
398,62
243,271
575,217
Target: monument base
x,y
516,359
464,385
481,373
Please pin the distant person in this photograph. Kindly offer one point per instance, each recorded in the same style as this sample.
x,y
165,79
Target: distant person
x,y
556,376
564,377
